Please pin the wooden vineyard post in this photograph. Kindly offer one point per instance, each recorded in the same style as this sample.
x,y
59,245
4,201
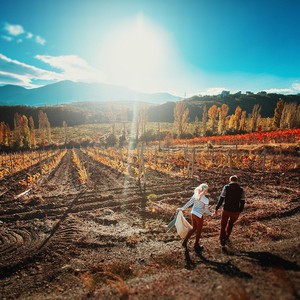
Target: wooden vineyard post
x,y
140,165
155,155
40,164
185,153
143,171
230,161
193,162
264,160
280,152
159,142
11,163
237,153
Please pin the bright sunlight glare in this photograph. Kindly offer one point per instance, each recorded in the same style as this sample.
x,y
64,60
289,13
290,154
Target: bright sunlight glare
x,y
135,53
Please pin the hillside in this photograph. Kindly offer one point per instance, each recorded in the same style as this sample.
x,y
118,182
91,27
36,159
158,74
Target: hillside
x,y
195,104
67,91
77,113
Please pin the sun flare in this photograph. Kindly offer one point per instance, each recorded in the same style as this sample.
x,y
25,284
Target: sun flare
x,y
135,52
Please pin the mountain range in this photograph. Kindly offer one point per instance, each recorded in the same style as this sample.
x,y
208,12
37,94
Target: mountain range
x,y
68,91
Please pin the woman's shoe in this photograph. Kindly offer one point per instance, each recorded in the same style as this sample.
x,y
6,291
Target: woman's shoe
x,y
198,247
184,244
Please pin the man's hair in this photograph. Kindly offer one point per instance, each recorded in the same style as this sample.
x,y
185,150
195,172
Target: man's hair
x,y
233,178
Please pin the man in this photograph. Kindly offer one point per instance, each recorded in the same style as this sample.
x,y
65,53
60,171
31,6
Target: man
x,y
233,197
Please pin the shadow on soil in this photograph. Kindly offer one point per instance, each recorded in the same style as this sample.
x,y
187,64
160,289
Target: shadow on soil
x,y
223,268
269,260
263,259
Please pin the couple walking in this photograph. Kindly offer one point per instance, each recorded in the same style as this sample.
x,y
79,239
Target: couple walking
x,y
232,198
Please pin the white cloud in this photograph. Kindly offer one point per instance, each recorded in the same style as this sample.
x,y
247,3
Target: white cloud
x,y
14,30
69,67
7,38
73,68
40,40
17,72
9,78
279,91
215,91
29,35
296,86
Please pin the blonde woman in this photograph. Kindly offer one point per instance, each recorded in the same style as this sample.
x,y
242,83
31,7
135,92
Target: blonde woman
x,y
200,206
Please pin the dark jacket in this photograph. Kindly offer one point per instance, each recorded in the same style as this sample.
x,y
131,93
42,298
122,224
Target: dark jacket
x,y
233,197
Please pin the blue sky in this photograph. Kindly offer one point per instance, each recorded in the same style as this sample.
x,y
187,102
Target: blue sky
x,y
183,47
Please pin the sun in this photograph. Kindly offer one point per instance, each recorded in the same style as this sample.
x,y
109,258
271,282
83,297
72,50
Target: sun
x,y
135,53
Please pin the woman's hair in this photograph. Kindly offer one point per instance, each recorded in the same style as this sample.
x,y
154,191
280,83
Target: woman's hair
x,y
202,187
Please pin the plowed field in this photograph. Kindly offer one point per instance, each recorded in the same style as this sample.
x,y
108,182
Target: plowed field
x,y
105,240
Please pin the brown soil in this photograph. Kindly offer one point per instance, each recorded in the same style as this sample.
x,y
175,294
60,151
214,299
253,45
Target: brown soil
x,y
106,241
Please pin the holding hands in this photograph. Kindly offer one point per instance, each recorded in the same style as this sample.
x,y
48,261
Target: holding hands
x,y
215,213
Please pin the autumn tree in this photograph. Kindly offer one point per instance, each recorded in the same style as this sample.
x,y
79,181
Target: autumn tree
x,y
223,111
212,114
140,119
204,120
181,116
290,115
255,115
143,117
32,133
65,126
197,126
277,113
25,132
2,124
112,118
18,141
4,134
231,123
242,126
44,128
237,118
124,118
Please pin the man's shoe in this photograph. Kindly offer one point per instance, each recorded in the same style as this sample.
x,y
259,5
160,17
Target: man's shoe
x,y
223,242
184,244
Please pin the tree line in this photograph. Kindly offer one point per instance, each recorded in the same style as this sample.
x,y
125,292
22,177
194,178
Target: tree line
x,y
23,136
214,121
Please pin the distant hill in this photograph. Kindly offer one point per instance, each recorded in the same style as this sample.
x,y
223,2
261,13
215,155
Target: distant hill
x,y
67,92
164,112
87,112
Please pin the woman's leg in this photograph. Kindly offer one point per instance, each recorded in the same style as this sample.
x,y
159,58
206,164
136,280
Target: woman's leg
x,y
189,234
199,230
